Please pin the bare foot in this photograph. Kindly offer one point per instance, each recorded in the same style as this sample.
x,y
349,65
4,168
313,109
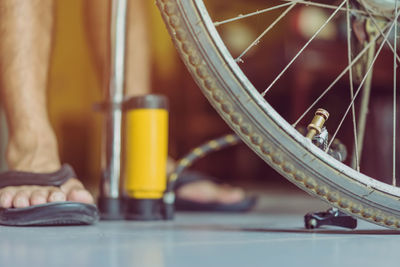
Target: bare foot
x,y
25,196
205,191
35,159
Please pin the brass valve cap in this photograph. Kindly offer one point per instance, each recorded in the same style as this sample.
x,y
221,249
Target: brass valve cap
x,y
315,127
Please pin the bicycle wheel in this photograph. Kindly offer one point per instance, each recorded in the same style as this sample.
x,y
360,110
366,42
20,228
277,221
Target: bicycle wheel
x,y
260,126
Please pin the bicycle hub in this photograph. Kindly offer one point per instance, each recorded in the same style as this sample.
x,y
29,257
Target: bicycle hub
x,y
315,127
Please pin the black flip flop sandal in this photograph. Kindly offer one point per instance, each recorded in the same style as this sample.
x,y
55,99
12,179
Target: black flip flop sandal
x,y
189,205
55,213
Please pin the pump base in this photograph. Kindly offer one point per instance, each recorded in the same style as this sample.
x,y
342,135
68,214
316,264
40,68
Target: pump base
x,y
144,209
111,208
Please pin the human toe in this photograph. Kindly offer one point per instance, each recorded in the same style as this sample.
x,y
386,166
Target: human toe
x,y
39,197
56,195
80,195
21,199
6,198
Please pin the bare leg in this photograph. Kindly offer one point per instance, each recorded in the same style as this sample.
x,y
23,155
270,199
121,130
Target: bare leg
x,y
138,80
137,76
25,46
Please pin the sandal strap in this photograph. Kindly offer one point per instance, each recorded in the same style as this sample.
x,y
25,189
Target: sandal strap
x,y
18,178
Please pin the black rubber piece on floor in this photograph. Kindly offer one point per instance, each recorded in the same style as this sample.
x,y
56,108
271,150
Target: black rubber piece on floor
x,y
56,213
332,217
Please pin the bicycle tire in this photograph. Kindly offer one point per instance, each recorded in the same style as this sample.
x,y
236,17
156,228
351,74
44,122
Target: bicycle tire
x,y
263,129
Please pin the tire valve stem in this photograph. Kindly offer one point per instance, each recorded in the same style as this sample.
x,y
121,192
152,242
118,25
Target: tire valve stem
x,y
315,127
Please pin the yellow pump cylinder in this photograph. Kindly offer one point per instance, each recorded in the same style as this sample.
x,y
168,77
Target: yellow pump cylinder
x,y
146,144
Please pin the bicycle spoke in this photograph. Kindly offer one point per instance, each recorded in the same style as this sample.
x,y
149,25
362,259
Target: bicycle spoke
x,y
365,49
258,12
394,94
290,2
366,93
356,161
379,29
256,41
370,67
255,119
326,6
303,48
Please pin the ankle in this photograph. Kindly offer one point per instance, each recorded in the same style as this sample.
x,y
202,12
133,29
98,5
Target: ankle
x,y
32,152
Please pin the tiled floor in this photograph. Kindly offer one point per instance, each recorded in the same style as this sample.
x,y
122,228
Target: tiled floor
x,y
267,237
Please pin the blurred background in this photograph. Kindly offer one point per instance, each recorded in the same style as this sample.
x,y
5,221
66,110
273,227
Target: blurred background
x,y
74,88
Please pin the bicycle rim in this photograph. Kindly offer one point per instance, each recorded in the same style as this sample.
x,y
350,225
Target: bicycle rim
x,y
263,129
